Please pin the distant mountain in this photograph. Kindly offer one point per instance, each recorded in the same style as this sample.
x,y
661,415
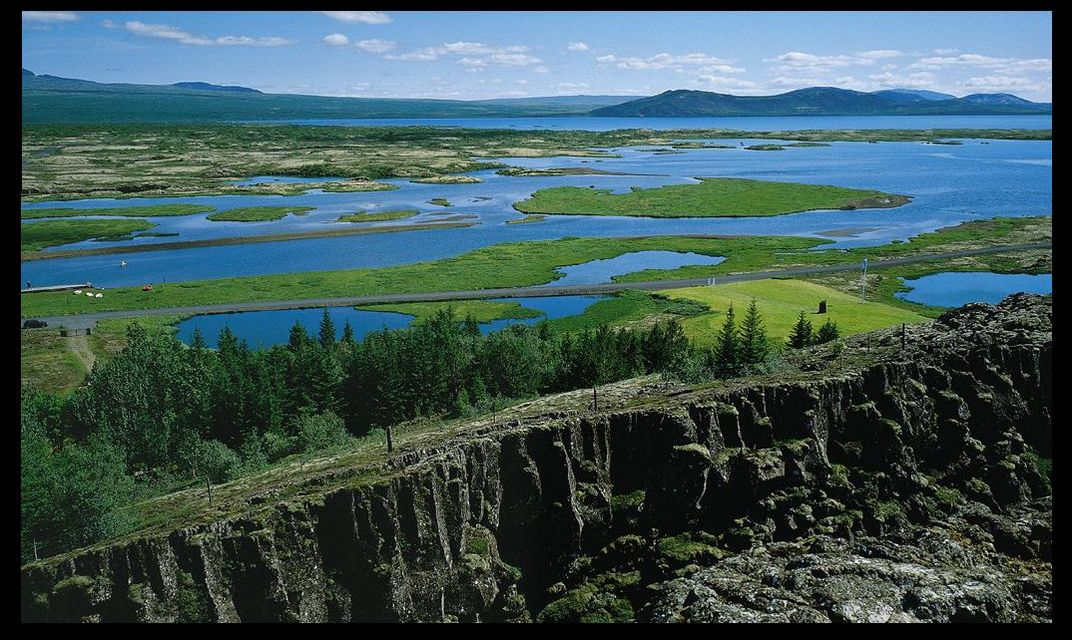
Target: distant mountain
x,y
204,86
573,101
1004,99
828,101
51,99
912,95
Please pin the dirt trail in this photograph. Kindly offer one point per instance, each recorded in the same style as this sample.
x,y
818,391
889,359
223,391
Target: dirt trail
x,y
80,346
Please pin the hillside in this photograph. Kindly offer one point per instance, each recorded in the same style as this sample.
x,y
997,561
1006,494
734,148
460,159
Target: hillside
x,y
813,101
877,482
54,100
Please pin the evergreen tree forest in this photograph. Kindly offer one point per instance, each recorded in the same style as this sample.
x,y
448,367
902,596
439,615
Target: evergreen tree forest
x,y
161,415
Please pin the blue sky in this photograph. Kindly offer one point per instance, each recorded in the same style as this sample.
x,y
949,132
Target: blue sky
x,y
477,55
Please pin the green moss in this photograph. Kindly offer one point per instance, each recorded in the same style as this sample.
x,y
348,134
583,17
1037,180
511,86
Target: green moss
x,y
478,546
839,475
627,502
948,496
887,510
192,600
684,549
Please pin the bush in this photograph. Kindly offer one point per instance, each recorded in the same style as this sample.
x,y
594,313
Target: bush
x,y
217,461
320,431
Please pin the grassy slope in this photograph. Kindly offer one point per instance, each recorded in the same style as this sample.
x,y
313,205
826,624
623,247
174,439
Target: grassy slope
x,y
503,265
156,210
258,214
780,301
47,360
49,233
378,216
713,197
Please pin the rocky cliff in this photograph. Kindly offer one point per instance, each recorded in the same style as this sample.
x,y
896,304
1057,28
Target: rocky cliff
x,y
871,482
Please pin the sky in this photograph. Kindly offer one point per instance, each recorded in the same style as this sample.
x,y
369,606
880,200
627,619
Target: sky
x,y
481,55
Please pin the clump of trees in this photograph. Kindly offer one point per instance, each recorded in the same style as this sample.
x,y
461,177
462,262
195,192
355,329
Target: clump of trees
x,y
161,415
803,334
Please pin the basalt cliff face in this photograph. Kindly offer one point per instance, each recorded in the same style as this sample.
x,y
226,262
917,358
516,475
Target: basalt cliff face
x,y
877,482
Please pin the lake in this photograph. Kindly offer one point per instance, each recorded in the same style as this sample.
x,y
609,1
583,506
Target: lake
x,y
267,328
952,289
948,184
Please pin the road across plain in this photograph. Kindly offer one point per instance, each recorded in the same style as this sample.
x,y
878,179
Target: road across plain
x,y
89,320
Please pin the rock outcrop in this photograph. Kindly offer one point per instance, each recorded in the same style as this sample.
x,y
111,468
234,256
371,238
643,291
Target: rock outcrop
x,y
883,482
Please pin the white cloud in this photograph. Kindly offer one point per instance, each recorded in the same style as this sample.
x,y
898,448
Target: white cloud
x,y
1007,84
578,46
985,62
375,45
724,83
876,54
336,40
474,55
541,69
670,61
566,87
919,80
166,32
50,16
945,52
366,17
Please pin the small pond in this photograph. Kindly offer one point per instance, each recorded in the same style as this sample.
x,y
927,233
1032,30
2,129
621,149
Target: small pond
x,y
952,289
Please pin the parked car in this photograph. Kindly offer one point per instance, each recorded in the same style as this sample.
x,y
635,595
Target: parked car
x,y
34,323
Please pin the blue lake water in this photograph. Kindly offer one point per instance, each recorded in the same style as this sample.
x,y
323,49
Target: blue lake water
x,y
267,328
948,185
600,271
952,289
743,123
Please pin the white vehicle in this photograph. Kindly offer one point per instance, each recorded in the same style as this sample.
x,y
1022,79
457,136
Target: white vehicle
x,y
77,292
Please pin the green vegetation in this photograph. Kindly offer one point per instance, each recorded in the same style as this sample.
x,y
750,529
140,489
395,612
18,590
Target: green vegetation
x,y
156,210
784,302
690,548
177,415
712,197
378,216
258,214
527,218
50,233
765,147
440,202
448,180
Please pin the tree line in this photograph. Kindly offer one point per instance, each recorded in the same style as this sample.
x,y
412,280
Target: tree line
x,y
161,414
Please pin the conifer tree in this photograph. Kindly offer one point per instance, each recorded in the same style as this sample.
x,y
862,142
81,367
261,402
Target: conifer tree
x,y
729,344
801,335
754,344
327,330
827,333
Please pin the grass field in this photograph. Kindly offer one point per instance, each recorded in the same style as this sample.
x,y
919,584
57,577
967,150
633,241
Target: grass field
x,y
50,233
156,210
378,216
712,197
528,218
780,302
258,214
